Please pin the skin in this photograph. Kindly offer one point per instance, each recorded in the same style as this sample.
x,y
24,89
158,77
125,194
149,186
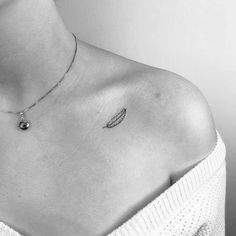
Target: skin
x,y
114,136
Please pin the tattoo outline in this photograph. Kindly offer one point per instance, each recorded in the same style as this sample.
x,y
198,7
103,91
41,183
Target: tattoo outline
x,y
117,119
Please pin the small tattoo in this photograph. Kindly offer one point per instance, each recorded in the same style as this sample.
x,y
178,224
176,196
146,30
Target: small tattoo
x,y
116,119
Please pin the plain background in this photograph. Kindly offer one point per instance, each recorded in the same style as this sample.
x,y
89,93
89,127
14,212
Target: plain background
x,y
196,39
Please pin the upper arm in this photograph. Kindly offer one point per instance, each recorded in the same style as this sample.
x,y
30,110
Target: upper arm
x,y
180,118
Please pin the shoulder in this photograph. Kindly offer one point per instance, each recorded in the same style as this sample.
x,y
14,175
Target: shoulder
x,y
176,115
162,106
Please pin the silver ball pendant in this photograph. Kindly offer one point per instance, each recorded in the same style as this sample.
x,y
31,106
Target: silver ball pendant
x,y
24,125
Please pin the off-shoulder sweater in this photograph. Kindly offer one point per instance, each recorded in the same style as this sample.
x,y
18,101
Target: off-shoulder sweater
x,y
192,206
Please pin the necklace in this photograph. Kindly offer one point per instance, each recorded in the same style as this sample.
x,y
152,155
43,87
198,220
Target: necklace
x,y
23,123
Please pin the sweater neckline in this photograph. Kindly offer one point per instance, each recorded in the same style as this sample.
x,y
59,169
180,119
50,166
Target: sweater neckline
x,y
154,214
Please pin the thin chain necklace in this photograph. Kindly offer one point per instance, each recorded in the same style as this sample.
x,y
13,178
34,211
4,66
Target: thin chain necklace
x,y
23,123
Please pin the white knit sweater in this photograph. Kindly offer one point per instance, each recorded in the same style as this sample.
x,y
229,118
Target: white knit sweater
x,y
193,206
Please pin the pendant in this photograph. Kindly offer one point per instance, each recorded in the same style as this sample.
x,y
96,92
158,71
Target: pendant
x,y
23,123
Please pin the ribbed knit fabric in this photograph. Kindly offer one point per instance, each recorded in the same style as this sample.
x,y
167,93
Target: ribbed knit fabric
x,y
192,206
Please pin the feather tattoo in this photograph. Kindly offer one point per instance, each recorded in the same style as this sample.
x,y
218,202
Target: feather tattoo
x,y
116,119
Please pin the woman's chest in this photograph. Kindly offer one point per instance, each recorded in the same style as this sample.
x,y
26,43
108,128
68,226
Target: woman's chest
x,y
72,177
87,191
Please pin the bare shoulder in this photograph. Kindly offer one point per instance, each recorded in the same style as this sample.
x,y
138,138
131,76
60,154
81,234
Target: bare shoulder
x,y
177,116
163,107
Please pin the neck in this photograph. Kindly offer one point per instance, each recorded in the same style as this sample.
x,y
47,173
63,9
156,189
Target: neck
x,y
35,51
